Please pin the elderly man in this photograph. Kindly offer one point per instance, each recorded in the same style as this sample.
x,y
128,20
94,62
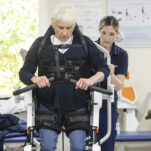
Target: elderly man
x,y
60,102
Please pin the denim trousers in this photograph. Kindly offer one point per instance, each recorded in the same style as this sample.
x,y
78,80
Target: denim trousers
x,y
49,138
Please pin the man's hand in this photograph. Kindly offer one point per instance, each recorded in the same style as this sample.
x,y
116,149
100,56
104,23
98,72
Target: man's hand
x,y
84,83
41,81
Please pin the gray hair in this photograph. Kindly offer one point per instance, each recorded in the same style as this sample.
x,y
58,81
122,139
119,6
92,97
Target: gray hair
x,y
64,13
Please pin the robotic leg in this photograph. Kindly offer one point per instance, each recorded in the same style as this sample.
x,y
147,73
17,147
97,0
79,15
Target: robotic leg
x,y
94,118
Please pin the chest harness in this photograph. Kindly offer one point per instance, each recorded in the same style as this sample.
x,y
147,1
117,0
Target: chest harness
x,y
63,69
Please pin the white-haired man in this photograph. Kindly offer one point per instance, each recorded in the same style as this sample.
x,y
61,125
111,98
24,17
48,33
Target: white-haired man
x,y
61,102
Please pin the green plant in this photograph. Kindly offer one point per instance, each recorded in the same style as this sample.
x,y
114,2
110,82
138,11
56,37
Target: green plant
x,y
18,29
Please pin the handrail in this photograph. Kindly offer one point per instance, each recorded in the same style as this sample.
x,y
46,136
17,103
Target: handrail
x,y
33,86
29,87
109,109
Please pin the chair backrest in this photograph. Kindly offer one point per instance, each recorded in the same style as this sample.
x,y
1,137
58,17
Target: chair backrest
x,y
128,94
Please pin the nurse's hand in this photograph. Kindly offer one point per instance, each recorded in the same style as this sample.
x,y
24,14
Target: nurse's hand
x,y
41,81
112,68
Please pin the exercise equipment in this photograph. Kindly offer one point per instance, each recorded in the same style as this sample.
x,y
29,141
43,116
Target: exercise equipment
x,y
98,95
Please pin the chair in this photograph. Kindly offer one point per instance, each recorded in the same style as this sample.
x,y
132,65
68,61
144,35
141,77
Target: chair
x,y
128,94
127,108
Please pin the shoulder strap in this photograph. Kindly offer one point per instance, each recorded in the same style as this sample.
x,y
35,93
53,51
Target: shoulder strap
x,y
49,32
84,44
82,39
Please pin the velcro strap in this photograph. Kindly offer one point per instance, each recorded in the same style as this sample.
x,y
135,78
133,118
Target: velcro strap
x,y
48,120
76,121
76,117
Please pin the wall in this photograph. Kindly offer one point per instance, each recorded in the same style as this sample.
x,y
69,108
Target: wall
x,y
139,59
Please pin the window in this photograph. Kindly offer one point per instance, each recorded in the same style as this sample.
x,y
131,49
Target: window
x,y
18,29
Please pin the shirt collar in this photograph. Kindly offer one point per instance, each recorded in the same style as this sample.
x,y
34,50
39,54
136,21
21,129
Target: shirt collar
x,y
114,50
56,41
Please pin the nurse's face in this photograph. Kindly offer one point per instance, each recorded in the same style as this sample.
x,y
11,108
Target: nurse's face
x,y
63,31
108,36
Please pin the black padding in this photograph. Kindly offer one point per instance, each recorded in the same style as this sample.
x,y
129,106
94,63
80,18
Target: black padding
x,y
48,120
76,121
68,68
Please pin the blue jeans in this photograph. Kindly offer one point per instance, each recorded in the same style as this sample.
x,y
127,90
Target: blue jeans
x,y
49,138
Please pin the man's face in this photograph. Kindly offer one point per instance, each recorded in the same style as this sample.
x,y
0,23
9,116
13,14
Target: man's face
x,y
63,31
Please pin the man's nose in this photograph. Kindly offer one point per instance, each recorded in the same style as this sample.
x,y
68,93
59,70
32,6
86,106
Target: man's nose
x,y
64,32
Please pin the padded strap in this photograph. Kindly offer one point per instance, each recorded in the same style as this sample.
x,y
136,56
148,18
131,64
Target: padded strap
x,y
48,120
76,121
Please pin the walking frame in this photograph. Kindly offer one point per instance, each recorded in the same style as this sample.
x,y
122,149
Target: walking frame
x,y
99,94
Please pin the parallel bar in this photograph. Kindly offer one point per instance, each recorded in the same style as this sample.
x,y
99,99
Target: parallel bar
x,y
30,87
94,88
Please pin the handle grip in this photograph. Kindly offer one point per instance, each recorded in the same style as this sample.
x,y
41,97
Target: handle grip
x,y
28,88
94,88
